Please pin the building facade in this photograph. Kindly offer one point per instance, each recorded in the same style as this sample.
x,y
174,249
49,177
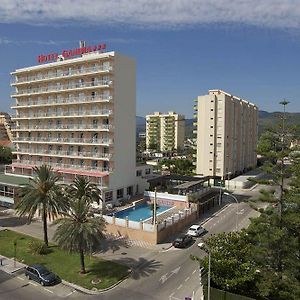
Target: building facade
x,y
165,132
78,116
226,134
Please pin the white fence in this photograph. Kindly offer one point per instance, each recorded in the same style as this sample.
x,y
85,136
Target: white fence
x,y
165,196
120,222
148,227
134,224
108,219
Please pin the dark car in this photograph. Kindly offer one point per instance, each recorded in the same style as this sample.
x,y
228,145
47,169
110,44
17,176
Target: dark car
x,y
41,274
182,241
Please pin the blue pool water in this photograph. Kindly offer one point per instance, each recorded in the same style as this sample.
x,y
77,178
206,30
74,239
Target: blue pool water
x,y
140,212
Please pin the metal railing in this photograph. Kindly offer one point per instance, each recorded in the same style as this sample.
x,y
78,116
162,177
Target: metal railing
x,y
64,140
60,165
62,127
65,73
83,113
63,87
85,154
69,100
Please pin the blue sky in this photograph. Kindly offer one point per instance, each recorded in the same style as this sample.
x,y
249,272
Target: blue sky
x,y
182,48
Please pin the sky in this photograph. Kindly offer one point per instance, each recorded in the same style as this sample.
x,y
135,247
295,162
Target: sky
x,y
182,48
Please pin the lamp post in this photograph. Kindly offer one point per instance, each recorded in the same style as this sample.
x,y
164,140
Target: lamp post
x,y
236,214
207,250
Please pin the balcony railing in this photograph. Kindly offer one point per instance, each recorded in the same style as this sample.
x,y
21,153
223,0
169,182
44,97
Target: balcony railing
x,y
61,127
63,87
76,154
83,113
66,73
60,165
64,140
70,100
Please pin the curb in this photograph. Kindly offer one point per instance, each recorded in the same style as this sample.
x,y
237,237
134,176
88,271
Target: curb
x,y
72,285
91,292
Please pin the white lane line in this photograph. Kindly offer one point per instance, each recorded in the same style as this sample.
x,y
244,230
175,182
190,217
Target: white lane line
x,y
33,283
179,287
21,278
187,279
73,292
48,291
171,295
194,271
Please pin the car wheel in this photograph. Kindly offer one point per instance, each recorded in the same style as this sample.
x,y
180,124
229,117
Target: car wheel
x,y
27,276
42,283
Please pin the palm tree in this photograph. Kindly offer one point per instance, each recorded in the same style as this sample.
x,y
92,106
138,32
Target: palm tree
x,y
43,195
79,230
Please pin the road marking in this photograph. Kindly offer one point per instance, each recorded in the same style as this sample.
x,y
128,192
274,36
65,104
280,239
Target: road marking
x,y
179,287
70,293
171,295
20,278
194,271
166,276
33,283
48,291
187,279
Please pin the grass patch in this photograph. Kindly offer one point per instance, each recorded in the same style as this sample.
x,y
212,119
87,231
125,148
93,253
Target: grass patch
x,y
66,265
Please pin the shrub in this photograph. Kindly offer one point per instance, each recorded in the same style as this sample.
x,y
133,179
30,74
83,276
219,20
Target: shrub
x,y
37,248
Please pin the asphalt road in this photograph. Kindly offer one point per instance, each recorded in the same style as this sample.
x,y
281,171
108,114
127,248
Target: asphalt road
x,y
169,274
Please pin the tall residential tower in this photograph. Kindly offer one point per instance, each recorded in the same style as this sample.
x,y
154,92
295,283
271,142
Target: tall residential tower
x,y
165,132
78,116
226,134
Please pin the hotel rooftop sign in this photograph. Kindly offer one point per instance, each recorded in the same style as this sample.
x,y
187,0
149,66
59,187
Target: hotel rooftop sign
x,y
65,54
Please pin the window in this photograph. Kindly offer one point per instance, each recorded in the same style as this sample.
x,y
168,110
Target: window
x,y
120,193
211,126
211,109
211,144
138,173
108,196
147,171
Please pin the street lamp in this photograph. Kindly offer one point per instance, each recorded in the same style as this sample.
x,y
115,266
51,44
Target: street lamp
x,y
236,214
207,250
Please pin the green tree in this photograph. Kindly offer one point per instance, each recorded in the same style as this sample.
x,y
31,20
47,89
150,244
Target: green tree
x,y
5,155
78,229
231,267
43,196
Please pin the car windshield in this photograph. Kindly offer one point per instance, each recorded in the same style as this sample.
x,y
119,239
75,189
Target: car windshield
x,y
192,229
44,271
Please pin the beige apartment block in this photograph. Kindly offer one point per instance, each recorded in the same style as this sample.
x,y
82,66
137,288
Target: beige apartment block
x,y
226,134
78,116
165,131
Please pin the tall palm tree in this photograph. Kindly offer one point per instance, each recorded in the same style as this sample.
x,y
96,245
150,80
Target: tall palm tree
x,y
79,230
41,195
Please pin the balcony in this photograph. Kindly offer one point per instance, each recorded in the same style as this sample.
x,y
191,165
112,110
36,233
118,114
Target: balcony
x,y
62,88
63,74
59,166
59,114
66,140
74,127
68,154
63,101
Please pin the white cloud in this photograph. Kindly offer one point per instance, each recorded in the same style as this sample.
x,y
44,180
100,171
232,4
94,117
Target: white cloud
x,y
153,13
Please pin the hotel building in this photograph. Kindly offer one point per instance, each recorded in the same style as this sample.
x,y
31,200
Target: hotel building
x,y
226,134
78,116
165,131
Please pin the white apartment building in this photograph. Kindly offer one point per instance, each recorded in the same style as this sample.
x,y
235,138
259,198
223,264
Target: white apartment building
x,y
166,131
78,116
226,134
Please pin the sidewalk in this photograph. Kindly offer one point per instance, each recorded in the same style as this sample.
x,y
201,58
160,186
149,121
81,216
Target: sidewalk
x,y
9,265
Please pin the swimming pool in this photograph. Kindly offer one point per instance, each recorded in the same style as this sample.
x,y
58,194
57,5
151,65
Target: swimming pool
x,y
140,212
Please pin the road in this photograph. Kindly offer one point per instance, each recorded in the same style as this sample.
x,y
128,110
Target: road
x,y
169,274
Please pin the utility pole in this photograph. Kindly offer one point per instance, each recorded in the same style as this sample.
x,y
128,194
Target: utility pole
x,y
154,207
208,280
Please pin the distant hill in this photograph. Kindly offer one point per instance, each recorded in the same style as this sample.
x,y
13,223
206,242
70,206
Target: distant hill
x,y
265,120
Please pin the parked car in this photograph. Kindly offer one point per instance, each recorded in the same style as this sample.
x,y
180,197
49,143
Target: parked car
x,y
41,274
196,230
182,241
